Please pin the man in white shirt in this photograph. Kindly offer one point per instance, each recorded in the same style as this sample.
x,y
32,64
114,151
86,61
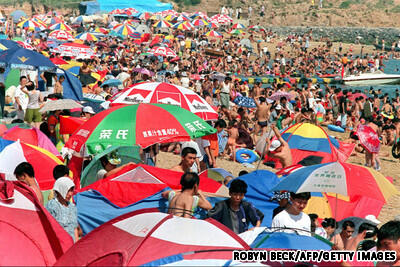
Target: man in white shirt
x,y
208,160
20,98
123,76
293,219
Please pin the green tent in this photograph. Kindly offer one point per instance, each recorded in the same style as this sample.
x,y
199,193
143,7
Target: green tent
x,y
125,153
13,78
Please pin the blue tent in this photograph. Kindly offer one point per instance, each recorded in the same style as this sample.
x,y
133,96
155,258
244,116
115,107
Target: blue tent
x,y
140,5
72,87
89,8
259,192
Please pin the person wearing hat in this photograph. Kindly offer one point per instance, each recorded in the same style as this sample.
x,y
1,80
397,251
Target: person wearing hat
x,y
279,149
109,163
88,112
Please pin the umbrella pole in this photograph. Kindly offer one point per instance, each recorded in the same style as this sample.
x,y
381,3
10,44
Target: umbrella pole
x,y
336,207
263,152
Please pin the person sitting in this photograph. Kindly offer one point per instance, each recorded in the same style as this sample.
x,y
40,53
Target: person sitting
x,y
62,209
293,219
340,240
328,227
24,172
236,213
110,164
185,202
280,149
188,158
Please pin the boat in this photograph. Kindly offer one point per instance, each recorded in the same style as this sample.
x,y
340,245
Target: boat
x,y
372,78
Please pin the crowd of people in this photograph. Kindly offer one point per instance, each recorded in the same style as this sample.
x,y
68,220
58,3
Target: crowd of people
x,y
214,69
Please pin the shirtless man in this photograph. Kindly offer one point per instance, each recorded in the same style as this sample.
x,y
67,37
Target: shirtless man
x,y
183,203
233,134
340,240
262,115
188,158
280,149
24,172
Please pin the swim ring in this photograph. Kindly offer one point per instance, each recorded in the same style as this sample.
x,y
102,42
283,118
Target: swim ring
x,y
335,128
245,155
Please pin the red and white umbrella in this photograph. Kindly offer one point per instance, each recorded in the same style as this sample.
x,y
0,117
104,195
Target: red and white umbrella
x,y
130,11
163,51
165,93
166,13
25,45
74,50
238,26
61,35
141,237
369,139
145,15
221,19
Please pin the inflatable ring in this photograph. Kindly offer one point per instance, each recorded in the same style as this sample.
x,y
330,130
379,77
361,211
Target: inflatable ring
x,y
245,155
335,128
394,148
389,116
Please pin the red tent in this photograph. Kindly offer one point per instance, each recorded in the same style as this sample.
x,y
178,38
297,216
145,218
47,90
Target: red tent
x,y
141,237
29,234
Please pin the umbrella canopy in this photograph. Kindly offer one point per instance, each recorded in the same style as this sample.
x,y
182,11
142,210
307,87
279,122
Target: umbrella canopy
x,y
244,101
13,153
143,71
256,28
281,240
213,34
111,82
9,44
340,178
126,154
162,24
200,22
152,231
60,26
185,25
60,104
86,37
165,93
124,29
101,30
61,35
75,50
25,45
31,25
163,51
26,224
22,58
221,19
142,124
17,14
32,136
236,31
238,26
279,94
369,139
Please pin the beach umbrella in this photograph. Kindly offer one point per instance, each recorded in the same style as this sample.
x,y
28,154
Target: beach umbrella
x,y
238,26
217,174
32,136
213,34
30,24
200,22
130,11
141,124
22,58
75,49
25,223
60,104
186,26
165,93
306,139
182,17
221,19
162,24
58,61
236,31
339,178
101,30
124,29
279,94
111,82
353,97
61,35
25,45
145,15
369,139
52,20
7,44
245,101
117,11
115,34
86,37
43,161
143,71
153,231
170,17
246,42
17,14
135,35
60,26
256,28
162,51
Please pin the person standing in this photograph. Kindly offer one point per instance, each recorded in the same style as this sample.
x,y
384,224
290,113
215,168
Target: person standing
x,y
2,92
21,99
33,115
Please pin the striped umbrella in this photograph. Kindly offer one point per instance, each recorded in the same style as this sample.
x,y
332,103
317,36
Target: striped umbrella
x,y
256,28
221,19
53,20
213,34
236,31
60,26
163,51
130,11
213,25
182,17
185,25
124,29
32,25
101,30
135,35
117,12
200,22
162,24
61,35
25,45
140,124
86,37
43,161
145,15
238,26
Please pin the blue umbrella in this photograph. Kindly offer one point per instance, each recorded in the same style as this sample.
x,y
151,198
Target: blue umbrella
x,y
22,58
111,82
17,14
9,43
244,101
281,240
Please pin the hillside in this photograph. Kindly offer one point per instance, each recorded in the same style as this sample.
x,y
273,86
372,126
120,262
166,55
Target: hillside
x,y
351,13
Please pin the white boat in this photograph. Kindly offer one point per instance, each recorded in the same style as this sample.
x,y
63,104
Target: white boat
x,y
372,78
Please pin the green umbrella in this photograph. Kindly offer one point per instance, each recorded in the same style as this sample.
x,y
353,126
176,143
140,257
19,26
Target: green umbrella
x,y
126,154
